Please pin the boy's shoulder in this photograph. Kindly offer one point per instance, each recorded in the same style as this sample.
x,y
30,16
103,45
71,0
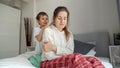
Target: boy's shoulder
x,y
36,28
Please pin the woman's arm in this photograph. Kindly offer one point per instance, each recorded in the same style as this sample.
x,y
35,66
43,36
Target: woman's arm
x,y
47,40
68,49
48,46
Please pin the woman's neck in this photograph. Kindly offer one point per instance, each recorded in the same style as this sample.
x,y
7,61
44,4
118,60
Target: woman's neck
x,y
59,29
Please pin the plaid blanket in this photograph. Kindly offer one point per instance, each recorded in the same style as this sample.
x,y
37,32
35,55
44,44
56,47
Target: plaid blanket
x,y
75,60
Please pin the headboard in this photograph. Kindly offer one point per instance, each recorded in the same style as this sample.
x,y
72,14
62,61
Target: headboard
x,y
101,39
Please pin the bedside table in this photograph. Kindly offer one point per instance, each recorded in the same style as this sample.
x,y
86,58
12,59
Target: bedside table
x,y
30,48
115,56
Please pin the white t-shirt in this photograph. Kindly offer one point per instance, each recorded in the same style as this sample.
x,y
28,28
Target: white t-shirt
x,y
58,39
38,44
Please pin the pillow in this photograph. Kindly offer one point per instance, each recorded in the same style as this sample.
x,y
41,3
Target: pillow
x,y
35,60
91,52
82,47
92,42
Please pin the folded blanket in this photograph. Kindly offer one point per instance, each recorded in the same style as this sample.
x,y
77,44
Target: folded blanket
x,y
75,60
35,59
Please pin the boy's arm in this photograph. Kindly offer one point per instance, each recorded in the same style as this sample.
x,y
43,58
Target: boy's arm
x,y
39,36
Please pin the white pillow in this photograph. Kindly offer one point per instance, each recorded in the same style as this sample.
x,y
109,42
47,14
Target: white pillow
x,y
91,52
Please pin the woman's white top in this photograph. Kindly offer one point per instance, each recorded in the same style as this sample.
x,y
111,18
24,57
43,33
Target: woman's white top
x,y
58,39
38,44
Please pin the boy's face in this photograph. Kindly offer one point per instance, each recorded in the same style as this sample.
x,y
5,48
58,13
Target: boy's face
x,y
43,20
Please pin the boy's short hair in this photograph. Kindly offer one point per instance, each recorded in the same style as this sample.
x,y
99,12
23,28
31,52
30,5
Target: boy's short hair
x,y
40,14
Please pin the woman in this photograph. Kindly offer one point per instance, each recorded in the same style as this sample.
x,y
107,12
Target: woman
x,y
58,45
42,20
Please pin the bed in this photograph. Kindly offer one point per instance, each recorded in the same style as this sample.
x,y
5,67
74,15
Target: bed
x,y
102,45
102,41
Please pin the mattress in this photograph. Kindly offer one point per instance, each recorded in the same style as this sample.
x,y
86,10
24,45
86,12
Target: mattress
x,y
22,62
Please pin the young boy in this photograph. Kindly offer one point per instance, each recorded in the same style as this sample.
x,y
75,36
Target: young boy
x,y
42,20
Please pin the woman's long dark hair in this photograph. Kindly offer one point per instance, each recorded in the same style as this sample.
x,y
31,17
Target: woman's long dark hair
x,y
57,10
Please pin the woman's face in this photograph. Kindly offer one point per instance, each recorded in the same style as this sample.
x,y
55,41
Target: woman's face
x,y
43,21
61,20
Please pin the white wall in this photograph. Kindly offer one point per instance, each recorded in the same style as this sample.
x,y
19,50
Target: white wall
x,y
86,15
9,31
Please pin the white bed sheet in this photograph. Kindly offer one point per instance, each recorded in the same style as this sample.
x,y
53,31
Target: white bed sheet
x,y
105,61
22,62
17,62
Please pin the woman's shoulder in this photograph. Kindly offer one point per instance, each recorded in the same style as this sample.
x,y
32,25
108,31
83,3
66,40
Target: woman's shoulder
x,y
69,30
48,29
70,33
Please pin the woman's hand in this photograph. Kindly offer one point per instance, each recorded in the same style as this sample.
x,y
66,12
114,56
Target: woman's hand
x,y
48,46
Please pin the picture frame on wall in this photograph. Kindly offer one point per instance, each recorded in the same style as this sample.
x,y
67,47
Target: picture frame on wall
x,y
116,41
115,55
